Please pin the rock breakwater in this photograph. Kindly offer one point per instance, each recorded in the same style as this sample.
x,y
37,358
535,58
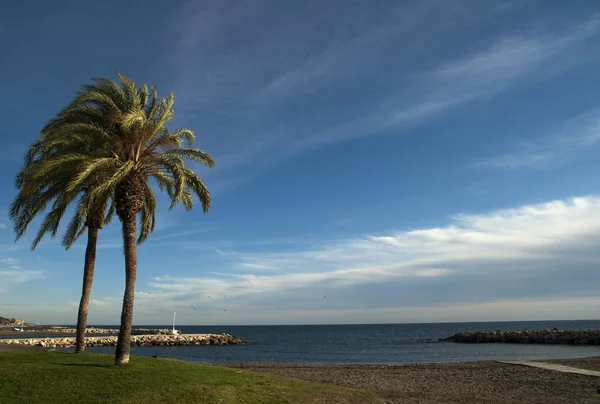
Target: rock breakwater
x,y
136,340
553,336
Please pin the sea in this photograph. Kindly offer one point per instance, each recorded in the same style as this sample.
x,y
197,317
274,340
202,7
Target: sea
x,y
365,344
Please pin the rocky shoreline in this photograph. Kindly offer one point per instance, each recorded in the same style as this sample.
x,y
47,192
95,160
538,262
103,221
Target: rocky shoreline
x,y
136,340
553,336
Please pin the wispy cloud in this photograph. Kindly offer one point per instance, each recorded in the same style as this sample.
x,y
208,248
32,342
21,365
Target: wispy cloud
x,y
262,77
510,58
10,263
254,266
11,273
550,151
11,277
495,68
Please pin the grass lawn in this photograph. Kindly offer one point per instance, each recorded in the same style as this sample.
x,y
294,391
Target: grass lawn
x,y
28,376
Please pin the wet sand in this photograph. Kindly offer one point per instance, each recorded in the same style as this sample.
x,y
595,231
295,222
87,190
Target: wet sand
x,y
470,382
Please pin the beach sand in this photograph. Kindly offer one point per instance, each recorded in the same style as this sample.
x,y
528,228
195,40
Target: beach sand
x,y
469,382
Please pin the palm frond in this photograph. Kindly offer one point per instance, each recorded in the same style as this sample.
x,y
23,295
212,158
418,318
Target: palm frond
x,y
193,181
111,211
148,217
89,168
105,189
76,225
197,155
52,220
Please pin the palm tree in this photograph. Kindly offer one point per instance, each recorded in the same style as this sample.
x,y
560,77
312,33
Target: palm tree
x,y
32,199
126,125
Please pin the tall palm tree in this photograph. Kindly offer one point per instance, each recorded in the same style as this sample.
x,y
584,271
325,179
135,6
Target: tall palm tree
x,y
126,123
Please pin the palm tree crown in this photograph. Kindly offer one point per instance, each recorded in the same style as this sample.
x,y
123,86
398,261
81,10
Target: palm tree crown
x,y
107,142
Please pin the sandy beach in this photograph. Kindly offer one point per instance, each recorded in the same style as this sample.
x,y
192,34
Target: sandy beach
x,y
470,382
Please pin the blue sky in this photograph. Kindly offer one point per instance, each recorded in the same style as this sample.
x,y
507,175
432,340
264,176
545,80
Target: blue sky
x,y
376,161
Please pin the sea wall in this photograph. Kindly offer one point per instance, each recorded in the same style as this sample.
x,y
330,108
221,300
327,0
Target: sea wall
x,y
553,336
136,340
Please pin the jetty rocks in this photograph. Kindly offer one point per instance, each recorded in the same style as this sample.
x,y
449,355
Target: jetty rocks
x,y
553,336
136,340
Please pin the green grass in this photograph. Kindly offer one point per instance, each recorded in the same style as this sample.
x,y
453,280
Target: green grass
x,y
52,377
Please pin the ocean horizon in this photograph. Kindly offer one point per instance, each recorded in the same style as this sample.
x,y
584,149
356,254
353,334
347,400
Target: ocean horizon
x,y
400,343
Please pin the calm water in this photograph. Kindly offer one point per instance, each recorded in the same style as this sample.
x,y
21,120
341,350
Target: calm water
x,y
366,344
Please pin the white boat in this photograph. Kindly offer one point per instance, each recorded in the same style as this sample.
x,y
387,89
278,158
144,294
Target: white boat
x,y
173,331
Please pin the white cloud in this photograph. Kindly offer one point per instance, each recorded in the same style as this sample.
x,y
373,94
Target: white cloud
x,y
534,252
8,261
10,277
2,226
12,274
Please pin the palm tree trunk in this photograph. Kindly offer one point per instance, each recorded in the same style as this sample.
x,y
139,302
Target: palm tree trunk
x,y
129,222
88,277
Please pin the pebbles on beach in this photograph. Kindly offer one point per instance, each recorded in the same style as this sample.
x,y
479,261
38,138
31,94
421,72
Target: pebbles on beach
x,y
474,382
